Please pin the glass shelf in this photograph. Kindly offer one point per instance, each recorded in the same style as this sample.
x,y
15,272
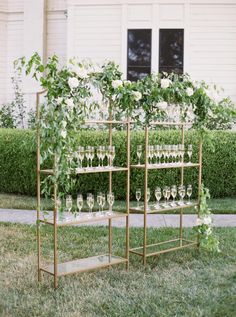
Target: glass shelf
x,y
86,264
163,166
72,220
153,209
163,247
90,170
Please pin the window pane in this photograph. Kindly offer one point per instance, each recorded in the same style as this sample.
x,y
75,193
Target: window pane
x,y
139,53
135,73
171,46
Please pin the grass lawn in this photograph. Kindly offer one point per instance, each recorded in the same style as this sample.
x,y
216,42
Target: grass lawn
x,y
185,283
218,206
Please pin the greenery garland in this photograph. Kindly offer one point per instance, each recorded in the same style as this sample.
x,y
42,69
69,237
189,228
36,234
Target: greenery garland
x,y
69,100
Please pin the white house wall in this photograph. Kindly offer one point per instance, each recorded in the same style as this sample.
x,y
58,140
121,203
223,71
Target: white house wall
x,y
97,29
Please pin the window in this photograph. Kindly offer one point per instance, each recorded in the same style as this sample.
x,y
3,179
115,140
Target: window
x,y
171,51
139,53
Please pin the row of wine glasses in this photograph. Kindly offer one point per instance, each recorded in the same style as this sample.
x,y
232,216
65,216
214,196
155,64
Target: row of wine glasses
x,y
102,198
167,192
85,156
165,154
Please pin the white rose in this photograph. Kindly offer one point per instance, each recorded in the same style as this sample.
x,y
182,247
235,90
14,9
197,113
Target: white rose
x,y
207,220
64,124
70,103
189,91
116,83
137,95
73,82
162,105
63,133
127,82
59,100
165,83
199,222
208,231
81,72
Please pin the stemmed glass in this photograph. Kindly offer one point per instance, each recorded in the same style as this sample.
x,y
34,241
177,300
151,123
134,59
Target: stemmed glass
x,y
99,195
165,195
139,153
69,203
189,193
158,196
80,155
99,155
181,192
110,200
112,154
103,154
168,191
138,196
90,203
107,154
92,154
79,202
173,194
148,196
150,153
103,201
190,152
87,155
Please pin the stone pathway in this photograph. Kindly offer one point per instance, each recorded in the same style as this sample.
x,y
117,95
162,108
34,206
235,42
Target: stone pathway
x,y
136,220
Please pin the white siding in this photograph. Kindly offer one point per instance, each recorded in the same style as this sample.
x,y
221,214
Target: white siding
x,y
2,57
56,35
97,33
212,45
56,5
15,5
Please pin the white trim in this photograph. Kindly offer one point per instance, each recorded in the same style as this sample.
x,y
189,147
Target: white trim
x,y
124,30
155,38
186,38
70,32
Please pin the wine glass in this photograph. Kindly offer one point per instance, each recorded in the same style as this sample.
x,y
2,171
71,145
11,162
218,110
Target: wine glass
x,y
139,153
103,201
158,196
80,155
90,203
92,154
150,153
173,194
110,200
168,192
190,152
148,195
138,194
99,204
189,193
87,155
99,152
165,195
103,154
79,202
107,153
112,154
69,203
183,193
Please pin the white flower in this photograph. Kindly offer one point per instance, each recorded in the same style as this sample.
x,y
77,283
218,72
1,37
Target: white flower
x,y
208,231
116,83
64,124
137,95
70,103
81,72
63,133
199,222
189,91
207,220
59,100
73,82
162,105
127,82
165,83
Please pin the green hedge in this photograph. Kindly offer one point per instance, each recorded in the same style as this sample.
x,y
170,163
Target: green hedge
x,y
18,162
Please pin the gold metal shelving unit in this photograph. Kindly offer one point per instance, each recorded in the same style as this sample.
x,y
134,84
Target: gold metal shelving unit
x,y
84,264
148,250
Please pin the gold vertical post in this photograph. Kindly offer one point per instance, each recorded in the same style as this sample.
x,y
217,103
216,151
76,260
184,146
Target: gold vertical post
x,y
145,198
127,193
55,230
110,185
38,188
181,182
199,182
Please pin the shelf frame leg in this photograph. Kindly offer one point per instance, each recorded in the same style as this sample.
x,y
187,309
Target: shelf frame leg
x,y
145,200
199,185
55,237
110,190
127,194
181,183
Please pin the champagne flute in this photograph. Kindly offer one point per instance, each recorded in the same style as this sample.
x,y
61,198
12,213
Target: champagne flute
x,y
158,196
148,196
165,195
183,193
69,203
79,203
189,193
168,192
138,196
173,194
103,202
81,155
99,151
92,154
90,203
112,154
110,200
99,204
190,152
87,155
139,153
103,154
107,153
